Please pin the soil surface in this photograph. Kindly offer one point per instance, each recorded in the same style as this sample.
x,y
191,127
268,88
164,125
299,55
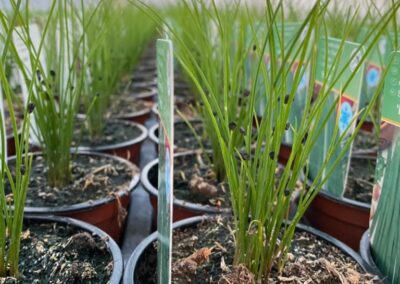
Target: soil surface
x,y
124,105
185,107
58,253
365,141
114,132
195,181
361,179
204,254
185,139
92,178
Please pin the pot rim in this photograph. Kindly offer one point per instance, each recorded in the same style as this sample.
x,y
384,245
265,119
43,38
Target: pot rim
x,y
90,204
196,207
344,200
138,251
111,244
128,115
143,92
152,130
143,135
366,255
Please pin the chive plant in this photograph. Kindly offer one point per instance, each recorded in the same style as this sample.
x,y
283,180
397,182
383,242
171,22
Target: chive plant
x,y
115,45
12,205
260,199
56,91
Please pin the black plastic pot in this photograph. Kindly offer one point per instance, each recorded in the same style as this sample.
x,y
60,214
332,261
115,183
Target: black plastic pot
x,y
103,213
365,252
111,245
129,150
181,209
137,253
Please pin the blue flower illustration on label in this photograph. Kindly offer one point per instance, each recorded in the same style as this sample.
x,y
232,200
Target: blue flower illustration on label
x,y
346,115
303,82
372,77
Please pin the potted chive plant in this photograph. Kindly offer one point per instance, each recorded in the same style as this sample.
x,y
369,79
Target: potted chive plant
x,y
106,60
136,88
259,243
379,245
32,247
195,170
91,187
342,209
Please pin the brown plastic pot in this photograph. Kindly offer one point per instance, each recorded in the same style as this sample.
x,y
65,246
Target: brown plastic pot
x,y
11,144
130,273
181,209
153,131
118,264
102,213
342,218
144,93
129,150
140,116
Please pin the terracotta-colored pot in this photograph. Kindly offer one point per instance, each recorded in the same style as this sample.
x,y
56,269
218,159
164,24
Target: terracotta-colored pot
x,y
140,116
342,218
153,131
103,213
11,145
146,93
181,209
284,153
129,150
134,260
117,261
367,126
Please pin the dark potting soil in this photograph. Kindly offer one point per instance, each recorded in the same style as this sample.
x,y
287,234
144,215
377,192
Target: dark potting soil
x,y
92,178
365,140
185,139
361,179
114,132
196,170
124,105
59,253
204,253
185,108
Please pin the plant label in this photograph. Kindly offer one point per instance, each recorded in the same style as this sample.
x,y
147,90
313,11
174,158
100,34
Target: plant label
x,y
28,76
385,207
375,64
165,78
335,56
3,146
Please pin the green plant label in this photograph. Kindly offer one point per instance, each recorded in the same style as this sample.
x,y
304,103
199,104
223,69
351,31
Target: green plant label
x,y
335,56
374,65
3,146
385,206
25,51
165,78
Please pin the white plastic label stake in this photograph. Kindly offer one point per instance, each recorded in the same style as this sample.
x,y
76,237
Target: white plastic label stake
x,y
165,77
